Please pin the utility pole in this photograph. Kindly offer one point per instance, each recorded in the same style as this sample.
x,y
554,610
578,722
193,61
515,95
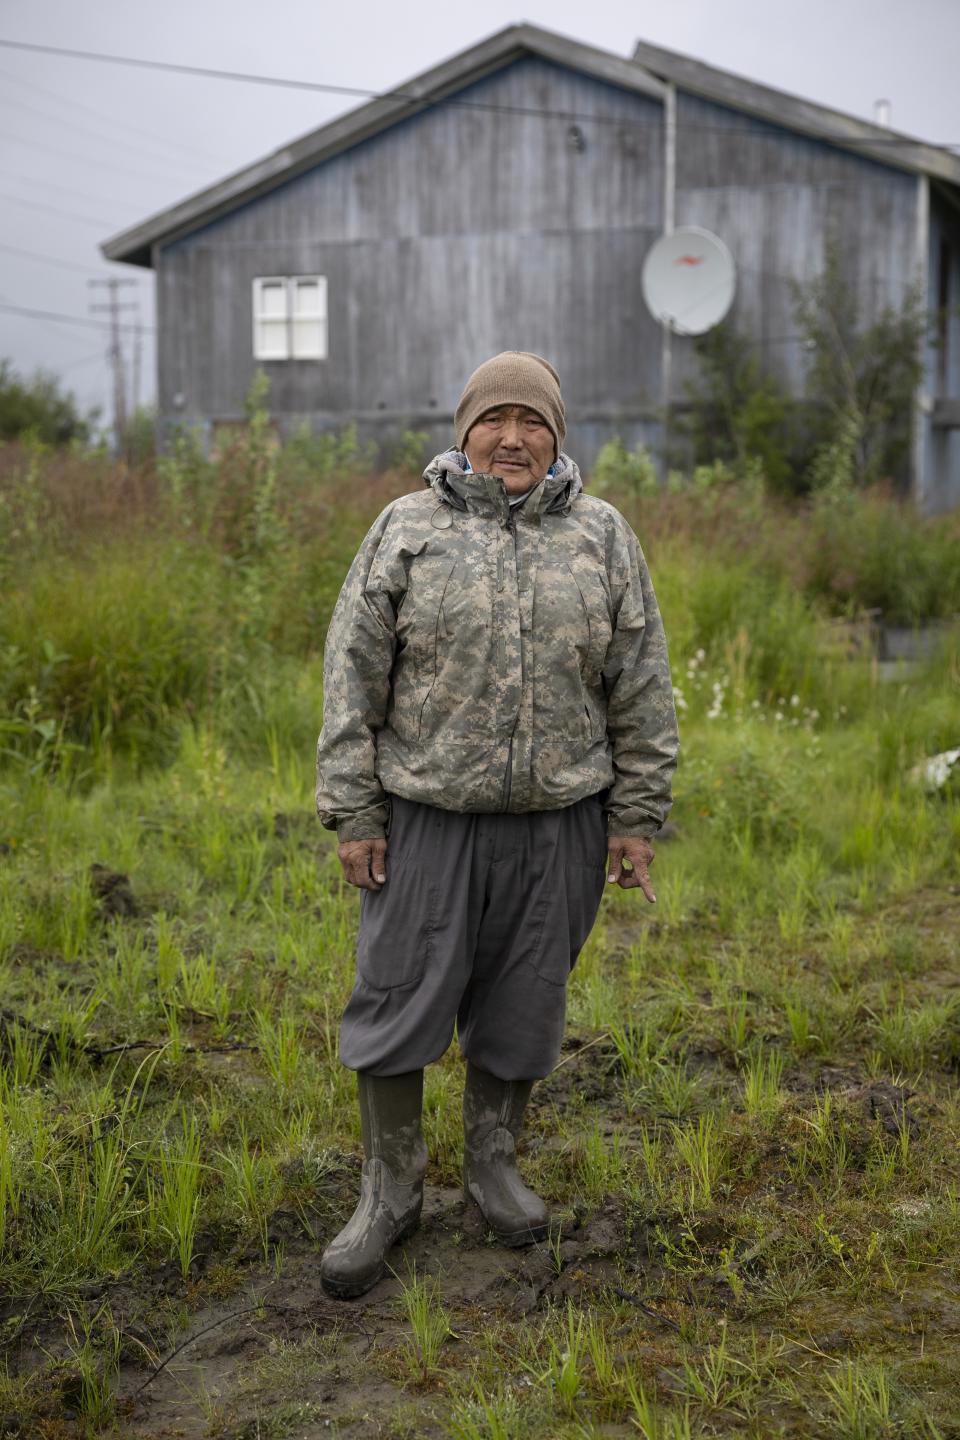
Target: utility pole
x,y
137,347
114,306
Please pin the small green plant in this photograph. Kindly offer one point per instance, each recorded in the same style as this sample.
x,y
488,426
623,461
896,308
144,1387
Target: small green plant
x,y
640,1048
97,1200
566,1356
428,1320
95,1355
10,1183
699,1148
253,1187
202,991
717,1380
484,1415
673,1091
800,1023
859,1401
177,1203
281,1047
600,1164
827,1145
761,1086
652,1422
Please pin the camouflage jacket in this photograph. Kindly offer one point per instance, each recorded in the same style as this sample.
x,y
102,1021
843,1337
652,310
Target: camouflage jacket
x,y
484,658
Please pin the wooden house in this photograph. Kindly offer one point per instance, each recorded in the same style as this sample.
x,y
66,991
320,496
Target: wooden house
x,y
506,199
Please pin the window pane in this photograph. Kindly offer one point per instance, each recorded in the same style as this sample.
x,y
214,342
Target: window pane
x,y
309,339
271,340
309,297
273,299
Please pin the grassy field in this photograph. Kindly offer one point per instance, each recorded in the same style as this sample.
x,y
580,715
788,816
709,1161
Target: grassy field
x,y
750,1144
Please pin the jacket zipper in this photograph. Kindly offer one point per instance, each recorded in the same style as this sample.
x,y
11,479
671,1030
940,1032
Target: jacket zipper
x,y
508,774
508,777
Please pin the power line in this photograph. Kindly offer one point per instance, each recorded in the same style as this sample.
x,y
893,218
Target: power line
x,y
21,106
32,314
52,260
84,360
207,72
64,214
46,184
63,332
158,141
125,170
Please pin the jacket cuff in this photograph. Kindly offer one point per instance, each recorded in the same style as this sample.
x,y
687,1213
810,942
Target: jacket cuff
x,y
639,830
360,827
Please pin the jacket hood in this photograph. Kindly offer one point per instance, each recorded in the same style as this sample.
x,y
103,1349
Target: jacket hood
x,y
451,482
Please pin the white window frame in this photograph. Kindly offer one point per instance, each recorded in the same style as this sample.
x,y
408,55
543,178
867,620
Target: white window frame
x,y
298,343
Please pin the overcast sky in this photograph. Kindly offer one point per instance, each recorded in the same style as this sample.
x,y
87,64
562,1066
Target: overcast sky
x,y
87,149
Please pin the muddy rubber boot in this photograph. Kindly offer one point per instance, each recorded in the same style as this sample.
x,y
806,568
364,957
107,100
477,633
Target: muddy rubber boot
x,y
391,1184
492,1118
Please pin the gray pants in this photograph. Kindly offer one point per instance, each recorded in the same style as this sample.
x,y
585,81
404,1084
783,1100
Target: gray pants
x,y
480,922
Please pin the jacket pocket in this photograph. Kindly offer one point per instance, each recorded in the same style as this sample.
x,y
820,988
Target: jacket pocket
x,y
595,600
420,629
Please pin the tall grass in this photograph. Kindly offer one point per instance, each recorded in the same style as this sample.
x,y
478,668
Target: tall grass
x,y
204,588
161,719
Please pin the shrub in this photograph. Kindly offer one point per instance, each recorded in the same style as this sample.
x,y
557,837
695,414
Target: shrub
x,y
40,407
871,552
138,645
737,413
861,379
409,455
617,469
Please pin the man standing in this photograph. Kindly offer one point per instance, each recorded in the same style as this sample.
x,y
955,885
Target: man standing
x,y
499,734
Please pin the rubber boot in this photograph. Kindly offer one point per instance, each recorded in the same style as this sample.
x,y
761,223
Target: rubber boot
x,y
391,1184
492,1118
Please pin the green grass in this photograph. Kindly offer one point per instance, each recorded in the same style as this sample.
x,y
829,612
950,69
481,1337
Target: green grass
x,y
740,1104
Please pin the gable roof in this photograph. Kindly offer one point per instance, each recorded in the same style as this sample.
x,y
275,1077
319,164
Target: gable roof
x,y
441,82
650,71
890,147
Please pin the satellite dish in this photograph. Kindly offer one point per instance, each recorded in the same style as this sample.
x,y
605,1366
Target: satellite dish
x,y
689,280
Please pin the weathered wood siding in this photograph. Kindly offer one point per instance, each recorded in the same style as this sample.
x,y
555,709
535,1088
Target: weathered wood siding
x,y
455,234
941,451
779,200
482,225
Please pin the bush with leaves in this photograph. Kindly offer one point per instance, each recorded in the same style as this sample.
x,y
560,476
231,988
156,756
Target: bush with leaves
x,y
861,379
38,406
737,413
622,471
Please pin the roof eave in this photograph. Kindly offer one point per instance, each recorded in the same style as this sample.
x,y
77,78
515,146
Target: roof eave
x,y
136,245
792,112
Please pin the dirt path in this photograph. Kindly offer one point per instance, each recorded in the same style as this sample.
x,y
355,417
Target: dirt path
x,y
233,1371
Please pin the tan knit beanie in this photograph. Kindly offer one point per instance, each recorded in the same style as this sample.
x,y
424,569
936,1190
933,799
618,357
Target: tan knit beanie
x,y
517,377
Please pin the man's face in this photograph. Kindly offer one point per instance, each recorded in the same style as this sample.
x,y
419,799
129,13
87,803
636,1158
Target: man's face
x,y
513,443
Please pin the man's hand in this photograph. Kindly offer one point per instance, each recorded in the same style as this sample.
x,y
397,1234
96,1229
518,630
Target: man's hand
x,y
639,855
364,863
